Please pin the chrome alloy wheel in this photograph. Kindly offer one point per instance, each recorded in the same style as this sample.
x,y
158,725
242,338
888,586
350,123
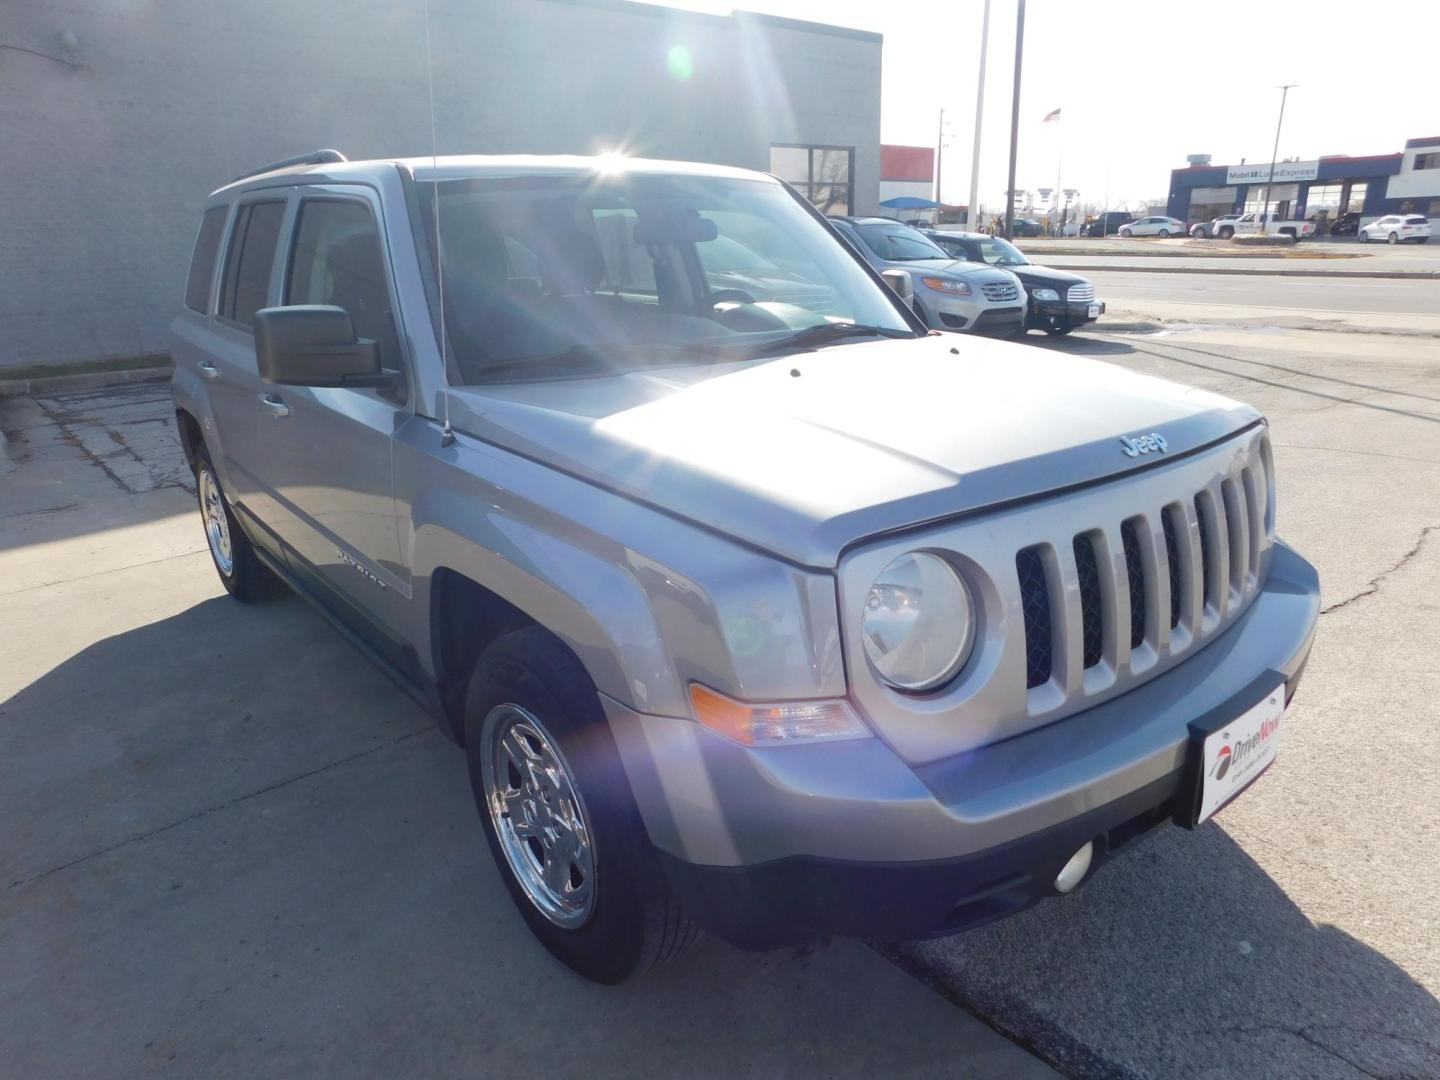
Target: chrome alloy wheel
x,y
217,524
538,815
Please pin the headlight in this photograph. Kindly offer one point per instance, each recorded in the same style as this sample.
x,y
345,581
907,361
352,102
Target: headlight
x,y
919,622
1044,294
945,284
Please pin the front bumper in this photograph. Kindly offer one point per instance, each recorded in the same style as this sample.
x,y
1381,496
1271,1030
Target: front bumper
x,y
786,845
1061,313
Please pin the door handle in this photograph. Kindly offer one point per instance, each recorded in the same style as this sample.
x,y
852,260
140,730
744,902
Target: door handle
x,y
210,371
278,408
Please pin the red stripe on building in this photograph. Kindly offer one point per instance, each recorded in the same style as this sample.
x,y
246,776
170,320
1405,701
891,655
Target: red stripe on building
x,y
907,162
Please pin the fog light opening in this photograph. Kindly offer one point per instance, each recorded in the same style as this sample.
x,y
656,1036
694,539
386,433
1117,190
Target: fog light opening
x,y
1074,871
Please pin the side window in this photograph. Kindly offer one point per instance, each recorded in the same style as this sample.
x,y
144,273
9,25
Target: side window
x,y
248,262
202,262
338,260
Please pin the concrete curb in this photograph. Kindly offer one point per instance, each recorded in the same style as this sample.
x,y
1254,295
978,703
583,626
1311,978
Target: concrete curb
x,y
1256,271
85,380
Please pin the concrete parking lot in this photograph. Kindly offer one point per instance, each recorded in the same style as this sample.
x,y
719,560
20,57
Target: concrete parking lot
x,y
233,849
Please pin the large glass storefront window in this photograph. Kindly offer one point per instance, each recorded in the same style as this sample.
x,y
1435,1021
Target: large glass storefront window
x,y
1208,203
1282,198
823,174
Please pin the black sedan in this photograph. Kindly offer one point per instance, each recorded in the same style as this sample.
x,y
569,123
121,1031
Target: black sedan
x,y
1059,301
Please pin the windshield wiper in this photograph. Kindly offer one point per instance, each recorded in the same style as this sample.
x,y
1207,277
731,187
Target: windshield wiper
x,y
574,359
820,333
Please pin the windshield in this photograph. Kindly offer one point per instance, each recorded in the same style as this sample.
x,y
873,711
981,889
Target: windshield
x,y
998,252
549,276
899,243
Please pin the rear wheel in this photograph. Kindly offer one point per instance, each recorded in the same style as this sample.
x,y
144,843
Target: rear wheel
x,y
1363,236
1392,239
1164,234
1058,331
558,814
244,576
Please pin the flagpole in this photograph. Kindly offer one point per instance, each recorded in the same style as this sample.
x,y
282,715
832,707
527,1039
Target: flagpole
x,y
1059,158
972,212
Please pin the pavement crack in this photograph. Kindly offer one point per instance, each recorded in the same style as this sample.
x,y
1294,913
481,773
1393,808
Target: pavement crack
x,y
1304,1035
103,573
1373,585
207,811
71,439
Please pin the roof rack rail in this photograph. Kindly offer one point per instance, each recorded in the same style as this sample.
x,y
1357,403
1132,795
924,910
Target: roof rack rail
x,y
315,157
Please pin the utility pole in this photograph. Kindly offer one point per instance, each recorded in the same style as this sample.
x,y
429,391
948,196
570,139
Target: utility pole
x,y
1265,203
1015,120
972,212
939,156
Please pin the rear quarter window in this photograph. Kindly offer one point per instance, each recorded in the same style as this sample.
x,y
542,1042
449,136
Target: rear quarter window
x,y
202,261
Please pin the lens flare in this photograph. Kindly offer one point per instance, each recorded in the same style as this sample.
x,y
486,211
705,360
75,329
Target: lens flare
x,y
679,63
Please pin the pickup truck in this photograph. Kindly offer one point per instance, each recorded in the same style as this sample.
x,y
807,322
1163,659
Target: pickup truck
x,y
1274,224
756,607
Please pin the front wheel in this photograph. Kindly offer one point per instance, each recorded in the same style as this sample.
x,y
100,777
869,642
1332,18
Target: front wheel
x,y
1363,237
1058,331
1226,233
558,814
1126,233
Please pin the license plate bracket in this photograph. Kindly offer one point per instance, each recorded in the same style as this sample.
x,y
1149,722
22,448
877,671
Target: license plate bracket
x,y
1229,748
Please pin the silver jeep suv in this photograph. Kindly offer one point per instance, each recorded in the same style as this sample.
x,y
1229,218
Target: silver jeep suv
x,y
756,607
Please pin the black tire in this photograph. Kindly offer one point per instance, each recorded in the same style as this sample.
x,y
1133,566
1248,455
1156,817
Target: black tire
x,y
1125,233
1393,238
247,579
1363,237
1164,234
1226,232
634,924
1058,331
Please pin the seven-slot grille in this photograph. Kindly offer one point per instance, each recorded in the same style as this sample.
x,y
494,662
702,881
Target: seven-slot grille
x,y
1189,565
1000,290
1084,291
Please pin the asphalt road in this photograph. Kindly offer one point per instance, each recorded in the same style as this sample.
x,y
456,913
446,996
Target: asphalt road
x,y
1320,294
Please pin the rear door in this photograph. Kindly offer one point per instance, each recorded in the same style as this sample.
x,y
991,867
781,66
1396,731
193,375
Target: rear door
x,y
327,450
232,376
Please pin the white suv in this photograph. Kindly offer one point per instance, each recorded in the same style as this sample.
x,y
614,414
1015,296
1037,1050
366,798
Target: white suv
x,y
1393,228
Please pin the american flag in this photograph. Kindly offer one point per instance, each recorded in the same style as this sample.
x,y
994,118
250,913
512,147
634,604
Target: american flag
x,y
1051,116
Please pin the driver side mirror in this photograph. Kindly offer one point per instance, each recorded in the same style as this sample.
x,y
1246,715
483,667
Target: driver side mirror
x,y
902,283
315,345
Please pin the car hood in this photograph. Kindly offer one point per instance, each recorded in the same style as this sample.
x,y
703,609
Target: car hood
x,y
1045,276
807,454
956,268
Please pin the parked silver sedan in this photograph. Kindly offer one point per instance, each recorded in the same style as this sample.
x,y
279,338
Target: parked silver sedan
x,y
950,293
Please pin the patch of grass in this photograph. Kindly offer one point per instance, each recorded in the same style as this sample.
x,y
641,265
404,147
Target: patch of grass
x,y
87,367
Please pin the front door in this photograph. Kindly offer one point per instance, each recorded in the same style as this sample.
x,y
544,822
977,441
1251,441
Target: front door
x,y
327,464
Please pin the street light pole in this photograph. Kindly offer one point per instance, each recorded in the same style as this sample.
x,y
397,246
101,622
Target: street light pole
x,y
1265,202
939,156
1015,121
972,212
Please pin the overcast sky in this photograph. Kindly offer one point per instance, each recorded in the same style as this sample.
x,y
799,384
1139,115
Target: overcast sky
x,y
1143,83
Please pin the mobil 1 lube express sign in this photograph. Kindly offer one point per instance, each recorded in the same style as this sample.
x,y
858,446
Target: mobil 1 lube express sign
x,y
1286,172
